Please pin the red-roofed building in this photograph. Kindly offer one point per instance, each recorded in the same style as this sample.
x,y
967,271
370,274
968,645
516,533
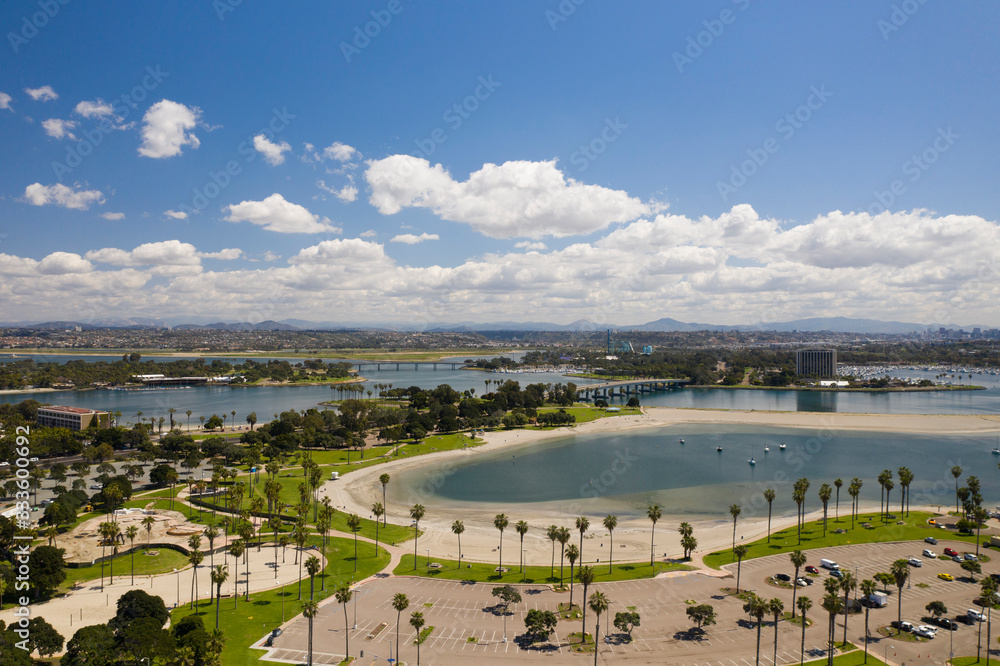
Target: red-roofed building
x,y
74,418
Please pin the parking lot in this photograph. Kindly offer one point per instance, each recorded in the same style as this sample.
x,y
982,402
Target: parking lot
x,y
467,625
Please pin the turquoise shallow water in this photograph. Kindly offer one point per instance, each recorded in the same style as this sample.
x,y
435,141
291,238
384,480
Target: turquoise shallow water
x,y
638,467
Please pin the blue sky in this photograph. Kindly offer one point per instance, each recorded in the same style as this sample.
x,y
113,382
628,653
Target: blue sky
x,y
728,162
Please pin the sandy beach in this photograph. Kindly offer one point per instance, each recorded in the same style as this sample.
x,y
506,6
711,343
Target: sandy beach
x,y
359,490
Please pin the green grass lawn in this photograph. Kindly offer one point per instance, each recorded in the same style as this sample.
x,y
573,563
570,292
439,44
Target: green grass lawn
x,y
249,622
785,541
166,561
585,413
485,573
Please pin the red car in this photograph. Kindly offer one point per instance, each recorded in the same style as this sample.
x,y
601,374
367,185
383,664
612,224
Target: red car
x,y
950,551
811,569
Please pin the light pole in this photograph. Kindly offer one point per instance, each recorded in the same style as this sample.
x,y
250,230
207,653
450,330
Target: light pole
x,y
524,555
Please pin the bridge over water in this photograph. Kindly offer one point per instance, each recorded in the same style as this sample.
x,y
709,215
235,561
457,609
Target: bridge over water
x,y
406,365
629,387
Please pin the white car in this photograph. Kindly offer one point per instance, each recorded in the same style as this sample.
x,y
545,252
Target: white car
x,y
925,631
32,459
3,463
915,562
801,582
930,553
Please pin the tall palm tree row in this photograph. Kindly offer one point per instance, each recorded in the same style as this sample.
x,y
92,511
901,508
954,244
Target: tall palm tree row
x,y
500,522
610,523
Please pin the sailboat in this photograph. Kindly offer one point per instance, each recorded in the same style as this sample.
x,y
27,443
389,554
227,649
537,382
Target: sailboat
x,y
781,447
719,449
752,462
680,441
766,448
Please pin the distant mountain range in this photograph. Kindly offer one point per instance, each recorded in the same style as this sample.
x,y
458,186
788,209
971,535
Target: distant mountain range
x,y
811,325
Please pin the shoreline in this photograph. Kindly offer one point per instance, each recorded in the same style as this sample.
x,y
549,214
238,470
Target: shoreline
x,y
357,491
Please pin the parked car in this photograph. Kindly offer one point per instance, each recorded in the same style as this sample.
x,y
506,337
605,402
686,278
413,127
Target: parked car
x,y
971,557
915,562
929,553
965,619
782,576
811,569
945,623
975,615
925,631
957,558
950,551
931,540
3,463
808,581
902,626
837,573
96,486
945,576
32,459
802,582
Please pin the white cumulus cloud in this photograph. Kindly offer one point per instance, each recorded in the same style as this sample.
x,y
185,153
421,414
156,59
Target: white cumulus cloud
x,y
176,214
95,109
347,193
340,152
341,250
60,129
514,199
272,152
413,239
530,246
64,263
166,129
43,94
5,101
62,195
113,216
276,214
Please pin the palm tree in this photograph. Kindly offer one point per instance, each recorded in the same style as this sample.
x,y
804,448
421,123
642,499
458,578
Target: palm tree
x,y
800,497
457,528
776,608
735,510
384,480
300,535
354,524
848,583
598,604
114,530
741,552
654,514
211,533
252,419
868,587
416,513
854,490
219,576
900,572
310,609
195,557
769,495
131,532
343,595
148,523
956,472
572,552
804,604
798,559
825,492
563,540
586,577
417,622
521,528
500,522
832,605
377,511
236,549
582,524
313,567
400,603
905,479
838,483
189,413
610,523
756,608
552,532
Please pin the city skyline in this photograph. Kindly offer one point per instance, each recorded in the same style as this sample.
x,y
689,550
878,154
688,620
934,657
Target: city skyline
x,y
392,162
